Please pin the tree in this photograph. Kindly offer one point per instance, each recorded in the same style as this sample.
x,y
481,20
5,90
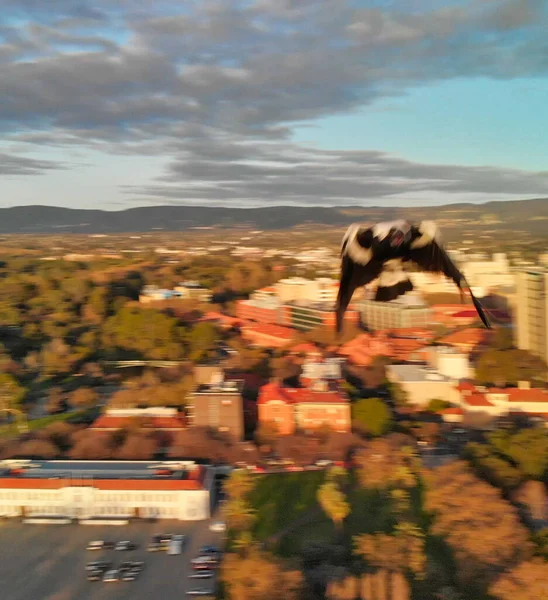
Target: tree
x,y
239,484
202,339
372,415
83,397
437,405
239,514
333,502
460,517
56,401
267,433
137,446
11,393
260,576
528,581
38,449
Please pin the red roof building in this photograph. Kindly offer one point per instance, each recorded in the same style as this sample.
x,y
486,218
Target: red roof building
x,y
113,490
304,408
267,335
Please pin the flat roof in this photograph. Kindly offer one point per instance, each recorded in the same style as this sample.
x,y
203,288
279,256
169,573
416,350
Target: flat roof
x,y
112,470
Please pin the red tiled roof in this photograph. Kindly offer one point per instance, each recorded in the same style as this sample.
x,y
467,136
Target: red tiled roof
x,y
465,314
276,331
307,348
472,335
531,395
109,422
272,391
103,484
466,386
477,400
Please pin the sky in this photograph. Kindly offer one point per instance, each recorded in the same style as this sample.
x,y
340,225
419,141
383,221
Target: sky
x,y
113,105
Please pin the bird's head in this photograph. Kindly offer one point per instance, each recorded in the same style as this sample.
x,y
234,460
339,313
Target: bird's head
x,y
398,237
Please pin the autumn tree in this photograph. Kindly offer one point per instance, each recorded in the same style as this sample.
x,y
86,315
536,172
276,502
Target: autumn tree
x,y
83,397
463,506
260,576
11,392
527,581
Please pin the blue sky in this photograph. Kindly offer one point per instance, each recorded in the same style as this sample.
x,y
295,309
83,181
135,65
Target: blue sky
x,y
262,102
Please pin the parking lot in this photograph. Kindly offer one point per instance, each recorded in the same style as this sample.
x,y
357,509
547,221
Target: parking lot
x,y
47,562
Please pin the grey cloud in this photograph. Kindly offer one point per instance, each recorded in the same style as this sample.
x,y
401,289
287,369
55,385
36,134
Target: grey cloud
x,y
216,85
23,166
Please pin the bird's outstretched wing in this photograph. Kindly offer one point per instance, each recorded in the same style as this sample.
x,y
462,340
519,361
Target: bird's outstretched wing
x,y
358,267
427,251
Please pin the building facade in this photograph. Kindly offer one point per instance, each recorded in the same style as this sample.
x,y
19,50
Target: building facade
x,y
405,312
531,325
218,405
192,290
305,316
264,310
305,408
108,489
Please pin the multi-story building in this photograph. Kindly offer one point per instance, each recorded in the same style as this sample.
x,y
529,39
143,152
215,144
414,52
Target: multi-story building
x,y
322,289
422,384
218,405
305,316
531,311
263,310
117,489
192,290
304,408
408,311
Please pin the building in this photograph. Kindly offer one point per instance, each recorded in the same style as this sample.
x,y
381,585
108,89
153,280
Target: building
x,y
531,312
470,340
105,489
304,408
264,310
322,289
218,405
266,335
192,290
423,384
154,417
448,361
408,311
305,316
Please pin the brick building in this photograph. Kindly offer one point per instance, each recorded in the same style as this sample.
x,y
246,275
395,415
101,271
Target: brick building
x,y
218,405
305,408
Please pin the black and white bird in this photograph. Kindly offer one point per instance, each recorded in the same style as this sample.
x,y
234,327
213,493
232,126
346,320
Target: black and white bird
x,y
378,253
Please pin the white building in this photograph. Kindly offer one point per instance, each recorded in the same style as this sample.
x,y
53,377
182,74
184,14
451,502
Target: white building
x,y
448,361
422,384
114,489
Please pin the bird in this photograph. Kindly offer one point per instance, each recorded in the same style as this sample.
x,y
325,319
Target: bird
x,y
378,253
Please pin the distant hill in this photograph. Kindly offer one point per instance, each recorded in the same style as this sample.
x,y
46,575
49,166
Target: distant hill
x,y
530,216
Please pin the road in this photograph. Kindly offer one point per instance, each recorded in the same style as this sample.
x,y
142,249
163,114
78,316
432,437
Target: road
x,y
47,562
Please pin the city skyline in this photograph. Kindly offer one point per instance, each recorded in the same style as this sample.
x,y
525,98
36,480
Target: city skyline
x,y
265,102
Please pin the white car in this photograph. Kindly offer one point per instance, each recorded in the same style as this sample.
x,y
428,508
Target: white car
x,y
217,527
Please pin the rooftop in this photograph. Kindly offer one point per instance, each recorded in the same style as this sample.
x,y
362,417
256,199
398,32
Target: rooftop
x,y
417,373
139,472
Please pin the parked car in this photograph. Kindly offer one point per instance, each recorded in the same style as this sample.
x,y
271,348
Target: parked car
x,y
112,576
125,545
95,575
201,592
201,575
217,527
100,545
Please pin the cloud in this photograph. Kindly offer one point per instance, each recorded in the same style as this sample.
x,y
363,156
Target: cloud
x,y
24,166
211,83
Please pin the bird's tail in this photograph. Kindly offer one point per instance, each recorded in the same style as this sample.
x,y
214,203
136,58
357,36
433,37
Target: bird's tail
x,y
482,312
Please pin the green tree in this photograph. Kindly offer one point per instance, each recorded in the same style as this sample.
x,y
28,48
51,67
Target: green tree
x,y
437,405
333,502
202,339
372,415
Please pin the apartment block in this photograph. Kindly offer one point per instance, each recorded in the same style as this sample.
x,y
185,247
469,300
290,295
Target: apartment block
x,y
531,312
408,311
322,289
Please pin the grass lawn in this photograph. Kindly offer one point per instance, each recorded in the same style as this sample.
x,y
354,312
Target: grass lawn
x,y
281,498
